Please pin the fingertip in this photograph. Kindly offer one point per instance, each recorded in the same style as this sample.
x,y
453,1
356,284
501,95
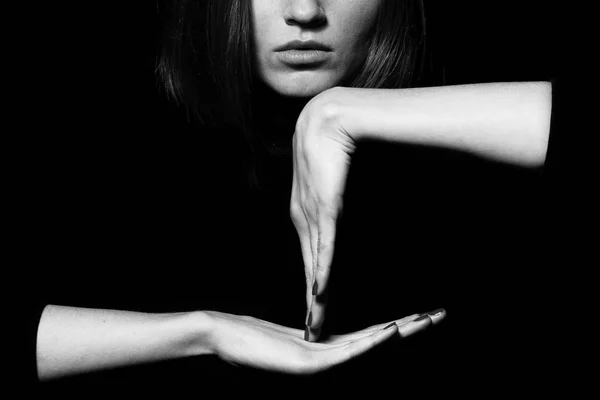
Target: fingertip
x,y
390,332
422,322
423,317
393,324
437,315
318,310
393,328
312,334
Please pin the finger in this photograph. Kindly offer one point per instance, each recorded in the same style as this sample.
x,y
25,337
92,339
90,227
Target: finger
x,y
310,265
327,217
312,334
335,339
318,303
406,326
415,326
308,271
326,225
360,346
310,212
301,224
349,337
411,325
437,315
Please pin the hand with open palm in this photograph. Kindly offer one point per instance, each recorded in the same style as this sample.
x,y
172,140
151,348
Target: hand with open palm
x,y
251,342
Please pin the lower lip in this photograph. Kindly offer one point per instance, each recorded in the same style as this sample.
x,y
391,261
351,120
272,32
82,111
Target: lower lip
x,y
303,57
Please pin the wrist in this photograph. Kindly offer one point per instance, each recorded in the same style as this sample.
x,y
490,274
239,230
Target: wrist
x,y
364,112
197,327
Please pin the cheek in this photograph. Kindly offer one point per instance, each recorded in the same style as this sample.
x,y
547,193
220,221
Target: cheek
x,y
357,17
261,20
259,34
356,27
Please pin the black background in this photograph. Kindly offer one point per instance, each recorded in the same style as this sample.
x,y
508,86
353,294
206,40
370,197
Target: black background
x,y
117,194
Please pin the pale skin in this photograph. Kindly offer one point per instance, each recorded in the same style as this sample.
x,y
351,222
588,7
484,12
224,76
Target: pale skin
x,y
506,122
342,25
73,340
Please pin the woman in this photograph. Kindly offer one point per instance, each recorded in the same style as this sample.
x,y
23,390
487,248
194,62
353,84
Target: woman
x,y
302,76
470,173
340,56
73,340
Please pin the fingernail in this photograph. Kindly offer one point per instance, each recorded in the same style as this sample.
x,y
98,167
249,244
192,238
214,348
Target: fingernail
x,y
315,333
437,312
315,289
309,321
306,333
422,317
389,326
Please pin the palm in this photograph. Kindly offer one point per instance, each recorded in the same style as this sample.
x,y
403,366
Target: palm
x,y
248,341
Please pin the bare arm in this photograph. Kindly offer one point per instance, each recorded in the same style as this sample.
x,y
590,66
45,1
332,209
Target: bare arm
x,y
77,340
509,122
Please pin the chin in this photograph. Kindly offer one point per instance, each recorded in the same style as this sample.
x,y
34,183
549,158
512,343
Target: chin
x,y
308,86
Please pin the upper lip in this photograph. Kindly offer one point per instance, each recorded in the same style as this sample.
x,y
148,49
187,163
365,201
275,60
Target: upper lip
x,y
303,45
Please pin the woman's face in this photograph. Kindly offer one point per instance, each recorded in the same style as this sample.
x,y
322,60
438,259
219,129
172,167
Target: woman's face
x,y
306,46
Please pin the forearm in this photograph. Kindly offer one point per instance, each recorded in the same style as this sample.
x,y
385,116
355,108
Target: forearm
x,y
509,122
77,340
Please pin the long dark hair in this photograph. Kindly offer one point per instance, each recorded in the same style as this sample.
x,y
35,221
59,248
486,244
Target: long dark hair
x,y
206,52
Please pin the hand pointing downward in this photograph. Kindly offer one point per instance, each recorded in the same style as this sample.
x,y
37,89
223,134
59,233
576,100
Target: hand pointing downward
x,y
322,150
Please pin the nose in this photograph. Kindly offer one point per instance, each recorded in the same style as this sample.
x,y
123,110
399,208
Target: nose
x,y
308,13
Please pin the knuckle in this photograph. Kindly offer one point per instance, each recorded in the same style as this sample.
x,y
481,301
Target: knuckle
x,y
326,104
329,110
296,212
